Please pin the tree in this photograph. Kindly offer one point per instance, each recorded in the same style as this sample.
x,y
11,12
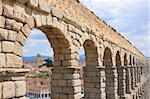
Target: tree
x,y
48,62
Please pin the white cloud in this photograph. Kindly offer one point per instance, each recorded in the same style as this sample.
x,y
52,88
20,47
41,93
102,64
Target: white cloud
x,y
35,44
129,17
26,52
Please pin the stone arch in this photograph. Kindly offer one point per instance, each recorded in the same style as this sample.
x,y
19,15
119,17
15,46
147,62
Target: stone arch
x,y
125,60
107,58
133,61
118,59
121,75
62,55
63,50
130,60
127,77
90,52
60,45
91,74
110,74
132,72
18,17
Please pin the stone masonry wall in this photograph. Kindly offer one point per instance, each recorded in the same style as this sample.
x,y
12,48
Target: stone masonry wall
x,y
65,24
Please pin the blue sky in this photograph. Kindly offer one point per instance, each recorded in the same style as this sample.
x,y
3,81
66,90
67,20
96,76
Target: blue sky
x,y
131,18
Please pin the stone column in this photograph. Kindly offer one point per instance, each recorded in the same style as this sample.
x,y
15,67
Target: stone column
x,y
66,83
141,73
128,80
132,78
135,76
94,85
121,82
138,73
102,82
12,83
111,83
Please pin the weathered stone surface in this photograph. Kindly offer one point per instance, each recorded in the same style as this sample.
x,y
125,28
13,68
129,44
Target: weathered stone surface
x,y
23,1
38,21
1,9
10,23
56,22
7,46
0,90
30,22
33,3
0,47
18,49
13,25
68,26
8,89
26,30
49,20
20,88
2,60
57,13
21,38
22,78
13,61
44,6
2,21
12,35
23,97
8,11
19,12
3,34
43,20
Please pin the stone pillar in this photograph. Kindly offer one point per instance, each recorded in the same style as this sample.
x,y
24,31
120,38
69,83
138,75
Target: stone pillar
x,y
121,82
66,83
111,83
12,83
94,85
141,73
102,82
138,74
135,76
128,80
132,78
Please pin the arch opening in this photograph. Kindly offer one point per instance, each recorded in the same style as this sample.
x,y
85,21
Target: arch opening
x,y
53,50
90,72
107,62
130,60
120,72
118,59
107,59
125,60
127,77
133,61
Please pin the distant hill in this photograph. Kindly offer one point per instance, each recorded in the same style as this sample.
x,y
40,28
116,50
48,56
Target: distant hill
x,y
32,58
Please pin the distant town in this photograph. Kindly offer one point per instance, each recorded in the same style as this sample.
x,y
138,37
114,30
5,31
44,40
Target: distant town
x,y
39,77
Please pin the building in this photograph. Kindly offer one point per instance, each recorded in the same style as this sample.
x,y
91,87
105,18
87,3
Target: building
x,y
38,88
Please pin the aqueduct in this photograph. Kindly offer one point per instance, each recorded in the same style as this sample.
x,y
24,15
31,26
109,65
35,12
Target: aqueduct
x,y
114,69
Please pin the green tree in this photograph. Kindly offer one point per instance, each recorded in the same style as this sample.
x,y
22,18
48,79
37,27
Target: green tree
x,y
48,62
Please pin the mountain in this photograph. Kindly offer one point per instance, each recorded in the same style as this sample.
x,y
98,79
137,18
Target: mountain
x,y
32,58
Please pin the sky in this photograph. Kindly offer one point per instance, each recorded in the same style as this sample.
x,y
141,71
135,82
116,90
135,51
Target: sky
x,y
131,18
